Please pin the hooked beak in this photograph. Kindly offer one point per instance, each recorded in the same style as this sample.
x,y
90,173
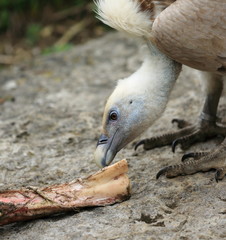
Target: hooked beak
x,y
107,148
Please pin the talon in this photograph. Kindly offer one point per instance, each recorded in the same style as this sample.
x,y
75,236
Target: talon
x,y
161,172
139,144
219,175
194,155
174,144
174,120
180,122
187,155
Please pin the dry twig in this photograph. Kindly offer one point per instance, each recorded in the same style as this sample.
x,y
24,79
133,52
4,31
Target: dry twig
x,y
73,31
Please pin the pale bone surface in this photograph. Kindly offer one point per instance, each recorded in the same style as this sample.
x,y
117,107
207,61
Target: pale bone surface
x,y
49,134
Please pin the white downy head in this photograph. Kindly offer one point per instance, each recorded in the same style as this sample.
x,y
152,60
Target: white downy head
x,y
136,103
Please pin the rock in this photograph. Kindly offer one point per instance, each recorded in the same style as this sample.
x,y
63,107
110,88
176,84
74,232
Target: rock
x,y
10,85
49,133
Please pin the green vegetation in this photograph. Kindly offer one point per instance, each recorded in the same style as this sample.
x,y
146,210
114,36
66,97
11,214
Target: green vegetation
x,y
29,27
33,33
57,48
12,11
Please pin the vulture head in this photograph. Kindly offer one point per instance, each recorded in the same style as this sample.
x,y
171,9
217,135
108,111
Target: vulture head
x,y
126,116
134,105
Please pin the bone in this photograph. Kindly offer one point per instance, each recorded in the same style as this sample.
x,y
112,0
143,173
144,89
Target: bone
x,y
108,186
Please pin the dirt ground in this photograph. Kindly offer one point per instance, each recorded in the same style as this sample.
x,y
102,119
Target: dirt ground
x,y
50,120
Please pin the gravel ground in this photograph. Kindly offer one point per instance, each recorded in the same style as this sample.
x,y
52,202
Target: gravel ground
x,y
49,128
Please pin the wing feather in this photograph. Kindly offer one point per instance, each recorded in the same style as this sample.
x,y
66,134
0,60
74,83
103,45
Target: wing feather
x,y
193,33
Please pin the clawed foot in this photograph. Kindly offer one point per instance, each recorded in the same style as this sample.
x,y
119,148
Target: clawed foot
x,y
200,162
185,137
192,162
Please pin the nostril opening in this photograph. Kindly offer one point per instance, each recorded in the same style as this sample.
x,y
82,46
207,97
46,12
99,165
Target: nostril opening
x,y
102,140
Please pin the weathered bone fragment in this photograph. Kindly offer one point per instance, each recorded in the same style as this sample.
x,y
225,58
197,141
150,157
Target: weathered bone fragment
x,y
108,186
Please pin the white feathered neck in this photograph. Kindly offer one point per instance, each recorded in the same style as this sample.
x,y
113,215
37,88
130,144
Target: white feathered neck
x,y
153,80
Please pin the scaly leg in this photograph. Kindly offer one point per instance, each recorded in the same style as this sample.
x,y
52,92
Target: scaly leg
x,y
214,160
205,128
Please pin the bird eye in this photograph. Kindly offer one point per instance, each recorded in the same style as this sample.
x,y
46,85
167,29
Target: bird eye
x,y
113,116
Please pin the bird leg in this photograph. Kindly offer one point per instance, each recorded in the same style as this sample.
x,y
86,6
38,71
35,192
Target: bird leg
x,y
204,129
204,162
187,136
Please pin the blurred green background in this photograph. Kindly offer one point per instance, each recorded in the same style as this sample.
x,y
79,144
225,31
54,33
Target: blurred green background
x,y
32,27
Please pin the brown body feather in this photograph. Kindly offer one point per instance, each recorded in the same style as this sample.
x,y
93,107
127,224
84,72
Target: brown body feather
x,y
154,7
146,5
194,33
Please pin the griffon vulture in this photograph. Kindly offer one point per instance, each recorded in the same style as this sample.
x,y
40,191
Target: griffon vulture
x,y
177,32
